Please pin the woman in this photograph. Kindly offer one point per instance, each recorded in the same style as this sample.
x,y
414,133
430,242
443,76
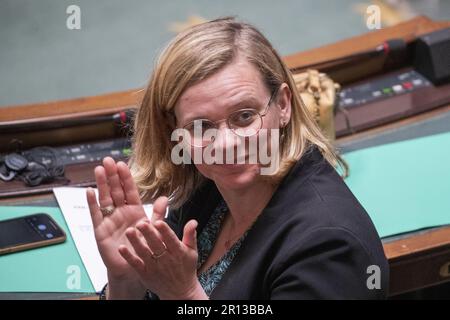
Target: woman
x,y
232,232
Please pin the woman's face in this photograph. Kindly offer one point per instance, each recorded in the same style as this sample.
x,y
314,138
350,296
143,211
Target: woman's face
x,y
237,86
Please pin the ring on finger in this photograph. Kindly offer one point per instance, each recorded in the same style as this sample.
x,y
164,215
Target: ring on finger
x,y
156,256
108,210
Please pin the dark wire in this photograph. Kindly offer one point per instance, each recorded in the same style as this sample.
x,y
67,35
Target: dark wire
x,y
44,165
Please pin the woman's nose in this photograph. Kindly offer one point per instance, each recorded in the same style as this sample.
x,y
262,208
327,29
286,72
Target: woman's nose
x,y
225,141
224,137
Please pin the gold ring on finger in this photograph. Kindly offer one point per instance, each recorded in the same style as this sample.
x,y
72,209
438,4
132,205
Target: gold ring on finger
x,y
108,210
160,254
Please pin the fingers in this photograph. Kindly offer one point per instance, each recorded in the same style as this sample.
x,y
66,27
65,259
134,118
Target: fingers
x,y
190,234
169,237
113,179
159,209
104,195
133,260
129,186
152,237
115,184
96,214
159,239
142,250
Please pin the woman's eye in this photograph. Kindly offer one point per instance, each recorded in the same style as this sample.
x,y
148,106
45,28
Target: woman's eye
x,y
207,125
244,118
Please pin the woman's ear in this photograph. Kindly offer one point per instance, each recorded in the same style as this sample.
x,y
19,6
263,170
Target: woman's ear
x,y
284,103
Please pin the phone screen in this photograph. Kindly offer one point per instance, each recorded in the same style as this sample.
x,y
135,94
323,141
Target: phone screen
x,y
29,229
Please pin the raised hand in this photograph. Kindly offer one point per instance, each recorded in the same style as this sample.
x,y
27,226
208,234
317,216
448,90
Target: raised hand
x,y
117,188
166,265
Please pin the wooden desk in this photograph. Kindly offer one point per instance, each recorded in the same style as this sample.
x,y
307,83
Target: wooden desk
x,y
417,260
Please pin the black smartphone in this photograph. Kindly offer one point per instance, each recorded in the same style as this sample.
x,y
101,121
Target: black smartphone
x,y
29,232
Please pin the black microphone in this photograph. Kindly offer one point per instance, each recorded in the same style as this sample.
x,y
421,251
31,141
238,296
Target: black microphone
x,y
391,46
393,50
125,117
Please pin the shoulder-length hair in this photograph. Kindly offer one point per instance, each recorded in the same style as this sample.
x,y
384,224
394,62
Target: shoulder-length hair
x,y
190,57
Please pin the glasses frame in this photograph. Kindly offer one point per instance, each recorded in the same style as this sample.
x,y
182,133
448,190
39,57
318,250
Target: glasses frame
x,y
216,123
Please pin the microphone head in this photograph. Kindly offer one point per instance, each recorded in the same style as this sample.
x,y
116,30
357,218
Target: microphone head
x,y
394,51
394,46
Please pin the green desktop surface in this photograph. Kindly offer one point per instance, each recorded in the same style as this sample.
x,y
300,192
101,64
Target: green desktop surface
x,y
55,268
404,186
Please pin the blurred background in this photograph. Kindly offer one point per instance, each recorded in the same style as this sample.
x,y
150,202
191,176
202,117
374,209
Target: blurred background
x,y
42,60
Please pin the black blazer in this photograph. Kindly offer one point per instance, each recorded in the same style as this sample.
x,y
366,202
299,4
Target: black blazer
x,y
313,240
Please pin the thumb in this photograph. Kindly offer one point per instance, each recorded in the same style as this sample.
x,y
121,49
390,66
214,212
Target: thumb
x,y
159,209
190,234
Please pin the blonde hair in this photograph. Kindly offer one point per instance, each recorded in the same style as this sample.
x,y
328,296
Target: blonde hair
x,y
189,58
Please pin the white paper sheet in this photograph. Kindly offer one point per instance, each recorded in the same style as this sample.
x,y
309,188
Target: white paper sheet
x,y
74,206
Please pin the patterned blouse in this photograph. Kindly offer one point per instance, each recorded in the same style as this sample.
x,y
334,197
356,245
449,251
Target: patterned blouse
x,y
211,277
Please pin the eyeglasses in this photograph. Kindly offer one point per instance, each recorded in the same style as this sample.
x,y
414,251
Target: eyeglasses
x,y
244,123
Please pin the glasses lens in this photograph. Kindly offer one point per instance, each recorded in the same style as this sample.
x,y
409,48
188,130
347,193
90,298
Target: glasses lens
x,y
201,132
245,123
